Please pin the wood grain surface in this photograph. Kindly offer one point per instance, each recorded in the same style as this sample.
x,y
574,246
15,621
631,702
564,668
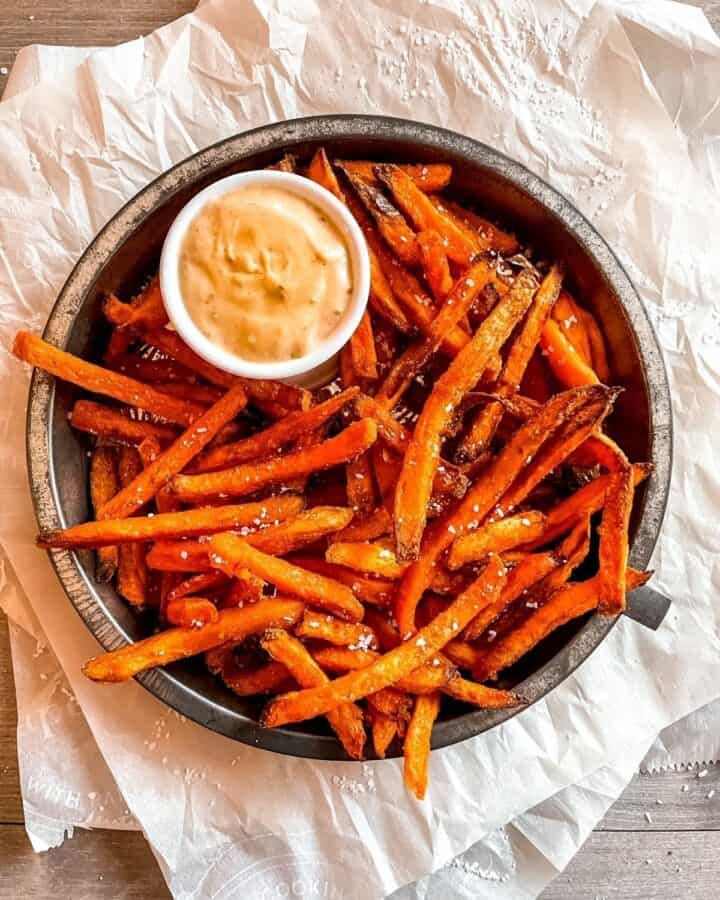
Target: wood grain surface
x,y
674,854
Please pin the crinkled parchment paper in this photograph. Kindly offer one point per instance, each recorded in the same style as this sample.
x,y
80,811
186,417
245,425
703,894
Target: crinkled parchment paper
x,y
559,87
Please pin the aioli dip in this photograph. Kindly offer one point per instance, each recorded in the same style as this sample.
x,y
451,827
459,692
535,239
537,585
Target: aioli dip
x,y
264,274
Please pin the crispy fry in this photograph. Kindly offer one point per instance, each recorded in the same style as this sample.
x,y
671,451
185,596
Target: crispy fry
x,y
390,222
201,584
244,588
273,397
435,263
531,570
567,314
397,663
147,310
362,349
421,460
416,749
191,612
495,537
395,704
140,491
132,574
104,485
375,591
321,172
375,558
383,730
489,235
456,305
38,353
428,178
178,643
519,356
460,245
322,627
346,720
162,526
230,553
94,418
340,660
264,443
479,695
565,361
494,481
597,346
614,550
281,538
432,676
246,479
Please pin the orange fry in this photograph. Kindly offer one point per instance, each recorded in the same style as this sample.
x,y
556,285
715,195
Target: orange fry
x,y
479,695
340,660
485,232
614,549
416,749
230,553
347,719
268,679
568,316
415,483
383,728
396,664
597,346
495,537
178,643
246,479
375,591
161,526
103,421
366,528
198,584
38,353
428,178
435,263
362,349
565,361
132,574
147,310
104,485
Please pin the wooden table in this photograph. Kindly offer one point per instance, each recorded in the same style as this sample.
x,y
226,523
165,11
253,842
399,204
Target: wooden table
x,y
626,858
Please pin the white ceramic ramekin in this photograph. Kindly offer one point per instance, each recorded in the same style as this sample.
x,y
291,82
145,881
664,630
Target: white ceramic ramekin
x,y
313,369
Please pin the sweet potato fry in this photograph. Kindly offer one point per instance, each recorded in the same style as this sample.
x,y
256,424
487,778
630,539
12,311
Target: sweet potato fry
x,y
321,172
140,491
568,316
383,729
246,479
280,538
483,428
429,178
268,679
527,573
162,526
118,346
362,349
322,627
346,720
421,460
340,660
392,432
488,235
272,397
598,350
244,588
394,665
432,676
230,553
150,367
132,574
104,484
374,558
416,749
391,223
496,477
456,305
202,394
38,353
435,263
495,537
178,643
375,591
191,612
264,443
565,361
147,310
103,421
479,695
614,550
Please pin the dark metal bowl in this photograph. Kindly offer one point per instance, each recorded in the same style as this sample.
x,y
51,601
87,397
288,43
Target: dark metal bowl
x,y
127,250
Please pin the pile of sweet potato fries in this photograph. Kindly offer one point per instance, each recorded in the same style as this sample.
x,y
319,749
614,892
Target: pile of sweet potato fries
x,y
351,553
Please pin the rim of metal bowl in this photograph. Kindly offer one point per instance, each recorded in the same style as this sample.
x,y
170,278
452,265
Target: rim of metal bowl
x,y
276,137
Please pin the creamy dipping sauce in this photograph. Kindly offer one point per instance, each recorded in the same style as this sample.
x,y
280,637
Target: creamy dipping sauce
x,y
265,274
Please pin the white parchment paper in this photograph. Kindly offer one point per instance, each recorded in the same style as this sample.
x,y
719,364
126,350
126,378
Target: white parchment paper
x,y
603,135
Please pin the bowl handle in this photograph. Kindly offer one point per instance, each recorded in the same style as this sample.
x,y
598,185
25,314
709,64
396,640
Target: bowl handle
x,y
647,606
